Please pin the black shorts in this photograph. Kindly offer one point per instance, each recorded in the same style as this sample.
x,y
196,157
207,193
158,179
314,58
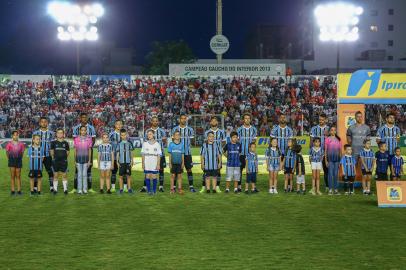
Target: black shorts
x,y
35,174
364,172
188,162
60,166
349,178
251,178
382,176
242,162
15,162
288,170
211,173
162,163
48,163
176,169
125,169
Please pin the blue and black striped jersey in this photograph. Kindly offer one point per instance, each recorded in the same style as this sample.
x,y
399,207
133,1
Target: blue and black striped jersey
x,y
91,131
273,156
233,151
105,151
210,153
382,161
247,135
47,136
282,135
35,156
397,163
368,156
389,135
123,150
290,158
316,155
348,165
252,162
319,132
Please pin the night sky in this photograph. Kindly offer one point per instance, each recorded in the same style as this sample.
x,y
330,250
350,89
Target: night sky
x,y
28,42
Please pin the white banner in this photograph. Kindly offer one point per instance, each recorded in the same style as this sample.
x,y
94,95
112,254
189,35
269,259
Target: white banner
x,y
227,70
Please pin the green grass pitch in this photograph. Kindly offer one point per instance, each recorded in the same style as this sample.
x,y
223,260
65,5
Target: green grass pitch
x,y
196,231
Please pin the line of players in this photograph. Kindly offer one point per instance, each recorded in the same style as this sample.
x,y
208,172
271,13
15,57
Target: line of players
x,y
115,156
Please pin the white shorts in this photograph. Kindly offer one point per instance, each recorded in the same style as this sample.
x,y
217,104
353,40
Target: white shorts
x,y
300,179
105,165
233,173
317,166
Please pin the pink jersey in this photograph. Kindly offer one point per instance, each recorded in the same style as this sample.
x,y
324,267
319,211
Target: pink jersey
x,y
15,149
82,146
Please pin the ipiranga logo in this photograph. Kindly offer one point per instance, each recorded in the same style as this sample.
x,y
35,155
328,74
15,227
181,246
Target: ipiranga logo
x,y
377,80
360,77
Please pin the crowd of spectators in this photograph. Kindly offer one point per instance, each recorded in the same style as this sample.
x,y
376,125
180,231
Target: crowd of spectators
x,y
301,99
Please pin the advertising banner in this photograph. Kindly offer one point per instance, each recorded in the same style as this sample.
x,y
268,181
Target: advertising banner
x,y
371,87
227,70
391,193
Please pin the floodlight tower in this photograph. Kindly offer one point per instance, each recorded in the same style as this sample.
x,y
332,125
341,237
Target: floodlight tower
x,y
338,23
76,23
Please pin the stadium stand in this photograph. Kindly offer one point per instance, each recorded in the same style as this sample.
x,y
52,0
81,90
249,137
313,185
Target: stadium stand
x,y
300,98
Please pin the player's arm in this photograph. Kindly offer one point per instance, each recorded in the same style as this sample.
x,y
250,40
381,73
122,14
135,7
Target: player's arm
x,y
225,150
143,162
67,150
342,165
158,162
98,158
202,162
349,136
246,164
90,155
183,161
267,161
363,162
131,157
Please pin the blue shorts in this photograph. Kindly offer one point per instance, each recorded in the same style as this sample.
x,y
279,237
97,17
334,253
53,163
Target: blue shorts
x,y
274,168
251,178
151,172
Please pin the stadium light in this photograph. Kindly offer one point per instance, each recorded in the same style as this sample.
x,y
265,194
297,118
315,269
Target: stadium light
x,y
338,22
76,23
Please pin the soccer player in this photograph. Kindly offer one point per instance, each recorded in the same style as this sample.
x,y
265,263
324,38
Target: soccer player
x,y
115,139
104,160
210,158
124,156
332,158
46,137
357,134
176,161
220,139
151,154
83,152
15,151
321,131
348,164
247,134
367,158
273,164
397,165
91,132
282,133
186,135
390,134
300,170
160,137
252,169
316,156
232,151
382,162
289,161
36,157
59,153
